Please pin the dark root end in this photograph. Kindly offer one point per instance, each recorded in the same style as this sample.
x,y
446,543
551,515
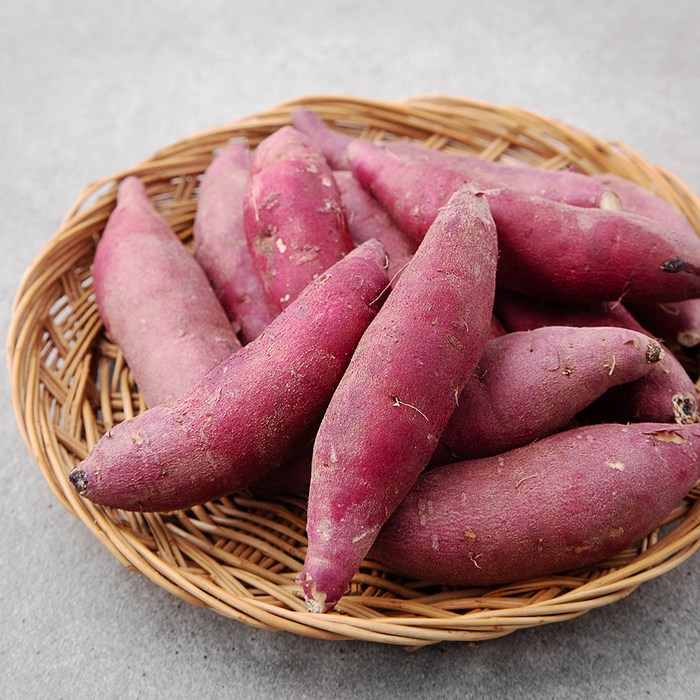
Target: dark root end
x,y
685,409
680,265
654,352
79,480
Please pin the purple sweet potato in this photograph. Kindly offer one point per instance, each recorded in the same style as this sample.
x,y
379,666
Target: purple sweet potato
x,y
293,215
155,300
366,219
248,415
569,186
546,249
564,502
675,322
665,393
221,245
388,412
531,384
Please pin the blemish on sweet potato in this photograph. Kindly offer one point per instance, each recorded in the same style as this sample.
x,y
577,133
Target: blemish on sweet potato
x,y
654,351
685,408
668,436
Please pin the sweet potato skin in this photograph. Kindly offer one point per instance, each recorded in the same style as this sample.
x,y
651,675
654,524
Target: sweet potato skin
x,y
367,219
155,300
563,502
555,371
665,393
249,413
386,416
293,215
221,245
547,249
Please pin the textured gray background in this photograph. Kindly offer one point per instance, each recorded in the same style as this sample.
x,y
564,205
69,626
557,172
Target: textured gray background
x,y
88,88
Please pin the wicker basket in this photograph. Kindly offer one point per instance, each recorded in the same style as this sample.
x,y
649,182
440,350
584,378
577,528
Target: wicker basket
x,y
239,556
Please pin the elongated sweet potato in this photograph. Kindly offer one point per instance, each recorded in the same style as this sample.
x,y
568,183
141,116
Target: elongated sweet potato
x,y
563,502
530,384
665,393
366,219
566,186
293,215
155,300
569,186
221,245
546,249
388,412
247,415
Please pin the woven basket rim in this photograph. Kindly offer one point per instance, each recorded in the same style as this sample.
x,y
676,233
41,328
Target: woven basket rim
x,y
50,401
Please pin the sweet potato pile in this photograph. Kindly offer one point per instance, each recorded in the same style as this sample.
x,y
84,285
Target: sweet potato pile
x,y
449,357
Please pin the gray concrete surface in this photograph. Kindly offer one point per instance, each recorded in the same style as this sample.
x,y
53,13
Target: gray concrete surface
x,y
88,88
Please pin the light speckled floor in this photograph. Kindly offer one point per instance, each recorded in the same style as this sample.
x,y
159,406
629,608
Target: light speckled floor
x,y
90,88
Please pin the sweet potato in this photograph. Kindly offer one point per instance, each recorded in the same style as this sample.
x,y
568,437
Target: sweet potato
x,y
155,300
388,412
366,219
546,249
665,393
247,415
569,186
221,245
530,384
566,501
293,216
675,322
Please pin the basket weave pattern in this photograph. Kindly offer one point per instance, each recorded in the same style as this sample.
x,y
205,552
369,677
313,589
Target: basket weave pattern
x,y
239,556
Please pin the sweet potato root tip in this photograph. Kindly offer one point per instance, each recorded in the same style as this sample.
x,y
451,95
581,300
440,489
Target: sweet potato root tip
x,y
654,352
685,409
78,478
611,201
688,339
680,265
